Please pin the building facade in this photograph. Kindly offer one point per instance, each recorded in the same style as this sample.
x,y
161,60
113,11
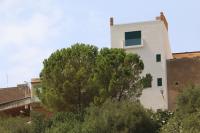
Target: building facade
x,y
182,73
150,41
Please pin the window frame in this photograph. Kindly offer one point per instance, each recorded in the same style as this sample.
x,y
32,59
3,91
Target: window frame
x,y
159,82
158,58
132,45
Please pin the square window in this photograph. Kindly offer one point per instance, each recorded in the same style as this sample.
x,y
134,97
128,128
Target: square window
x,y
158,57
159,81
133,38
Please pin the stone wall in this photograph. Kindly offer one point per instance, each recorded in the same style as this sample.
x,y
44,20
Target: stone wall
x,y
181,73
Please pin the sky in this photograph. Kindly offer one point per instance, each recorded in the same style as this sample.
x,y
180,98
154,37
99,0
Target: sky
x,y
30,30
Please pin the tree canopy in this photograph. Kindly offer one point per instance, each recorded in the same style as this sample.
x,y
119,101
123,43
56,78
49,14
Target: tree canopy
x,y
119,74
66,76
73,77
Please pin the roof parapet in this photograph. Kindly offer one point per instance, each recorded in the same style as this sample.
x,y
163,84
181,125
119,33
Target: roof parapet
x,y
35,80
111,21
163,18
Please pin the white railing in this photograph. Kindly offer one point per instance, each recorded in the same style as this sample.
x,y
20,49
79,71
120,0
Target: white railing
x,y
132,46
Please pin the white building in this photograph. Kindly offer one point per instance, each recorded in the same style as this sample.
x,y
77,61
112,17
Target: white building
x,y
150,41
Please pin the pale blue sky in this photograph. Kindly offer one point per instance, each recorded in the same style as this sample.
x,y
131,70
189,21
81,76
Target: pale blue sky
x,y
30,30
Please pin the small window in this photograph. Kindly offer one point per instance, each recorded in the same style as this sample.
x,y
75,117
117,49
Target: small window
x,y
159,81
176,83
132,38
158,57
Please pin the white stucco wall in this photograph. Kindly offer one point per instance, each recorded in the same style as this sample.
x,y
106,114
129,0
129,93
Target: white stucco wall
x,y
155,41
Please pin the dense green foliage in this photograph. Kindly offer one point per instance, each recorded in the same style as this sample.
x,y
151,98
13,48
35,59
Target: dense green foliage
x,y
114,116
162,117
172,126
118,74
64,122
66,78
189,100
59,123
186,118
14,125
39,122
76,76
118,117
110,117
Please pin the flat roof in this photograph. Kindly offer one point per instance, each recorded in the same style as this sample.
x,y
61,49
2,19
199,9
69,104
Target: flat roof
x,y
186,54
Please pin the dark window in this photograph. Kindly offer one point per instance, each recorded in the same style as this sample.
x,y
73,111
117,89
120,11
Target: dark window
x,y
158,57
159,81
176,83
132,38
